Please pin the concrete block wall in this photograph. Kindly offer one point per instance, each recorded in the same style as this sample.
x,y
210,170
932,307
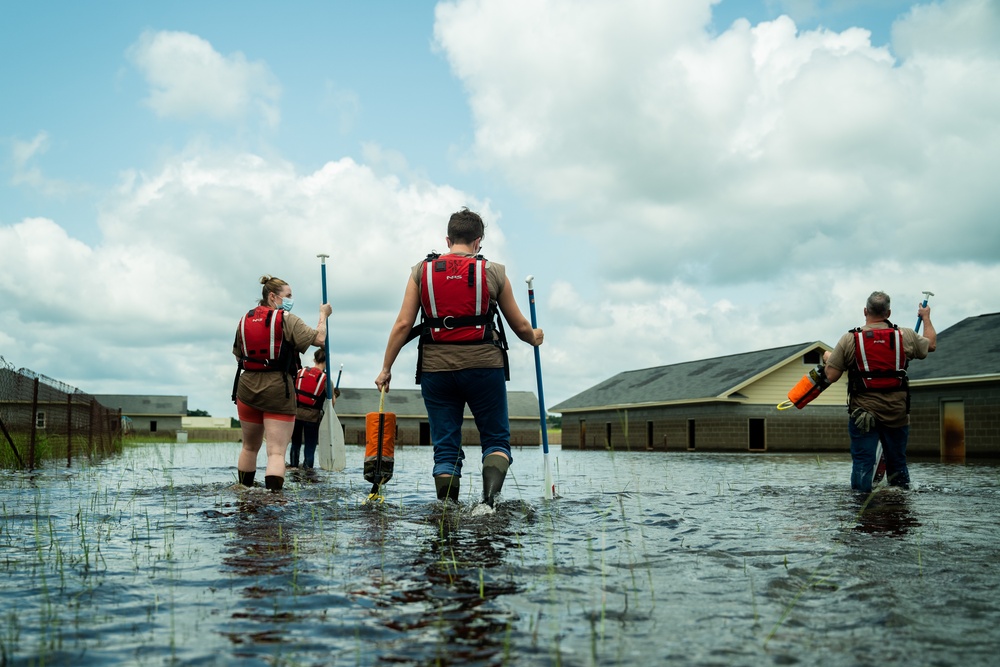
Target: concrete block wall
x,y
717,428
981,403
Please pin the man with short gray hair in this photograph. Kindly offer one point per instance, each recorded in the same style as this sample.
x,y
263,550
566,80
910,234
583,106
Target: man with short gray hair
x,y
875,357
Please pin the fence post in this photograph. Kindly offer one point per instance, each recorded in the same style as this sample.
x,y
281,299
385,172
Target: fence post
x,y
34,425
69,429
90,430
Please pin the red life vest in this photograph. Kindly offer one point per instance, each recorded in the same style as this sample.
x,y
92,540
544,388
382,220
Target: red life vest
x,y
310,387
879,360
262,334
456,299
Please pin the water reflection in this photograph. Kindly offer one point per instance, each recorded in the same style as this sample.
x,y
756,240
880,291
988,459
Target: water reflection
x,y
886,511
261,554
443,602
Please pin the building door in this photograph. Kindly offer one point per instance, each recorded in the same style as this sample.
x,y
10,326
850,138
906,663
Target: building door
x,y
607,435
690,435
649,435
425,434
757,442
953,431
583,434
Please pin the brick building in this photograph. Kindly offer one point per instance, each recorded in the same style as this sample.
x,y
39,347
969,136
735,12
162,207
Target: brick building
x,y
721,404
955,393
729,403
411,417
148,414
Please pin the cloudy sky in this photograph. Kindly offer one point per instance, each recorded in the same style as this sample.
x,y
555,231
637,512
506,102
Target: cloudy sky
x,y
684,179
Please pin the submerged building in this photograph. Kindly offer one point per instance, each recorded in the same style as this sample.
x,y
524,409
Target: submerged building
x,y
721,404
730,403
955,392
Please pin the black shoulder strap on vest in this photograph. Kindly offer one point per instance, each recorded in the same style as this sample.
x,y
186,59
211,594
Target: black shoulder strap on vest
x,y
239,368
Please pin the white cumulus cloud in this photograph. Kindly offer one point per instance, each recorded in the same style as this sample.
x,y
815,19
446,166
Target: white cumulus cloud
x,y
751,152
188,78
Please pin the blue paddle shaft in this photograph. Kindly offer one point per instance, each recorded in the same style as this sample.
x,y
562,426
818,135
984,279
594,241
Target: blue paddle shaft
x,y
538,375
326,342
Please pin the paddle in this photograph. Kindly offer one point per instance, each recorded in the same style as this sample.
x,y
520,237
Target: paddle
x,y
332,455
550,487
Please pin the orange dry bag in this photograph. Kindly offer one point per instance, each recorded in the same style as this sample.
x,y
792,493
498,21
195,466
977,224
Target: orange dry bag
x,y
808,388
380,444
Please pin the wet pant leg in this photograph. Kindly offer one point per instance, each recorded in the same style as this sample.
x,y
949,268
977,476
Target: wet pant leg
x,y
310,434
445,405
293,450
486,394
894,441
863,446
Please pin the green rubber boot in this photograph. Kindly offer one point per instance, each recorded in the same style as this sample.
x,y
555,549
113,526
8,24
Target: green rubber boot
x,y
246,478
274,482
494,471
447,488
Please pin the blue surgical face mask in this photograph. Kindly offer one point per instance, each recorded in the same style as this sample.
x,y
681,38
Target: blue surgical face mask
x,y
287,303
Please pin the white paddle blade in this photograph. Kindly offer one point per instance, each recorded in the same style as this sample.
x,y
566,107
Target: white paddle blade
x,y
549,486
331,453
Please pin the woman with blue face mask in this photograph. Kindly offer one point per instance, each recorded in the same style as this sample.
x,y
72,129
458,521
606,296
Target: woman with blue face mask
x,y
269,340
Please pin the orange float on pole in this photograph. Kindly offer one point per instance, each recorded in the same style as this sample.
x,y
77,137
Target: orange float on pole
x,y
380,447
807,389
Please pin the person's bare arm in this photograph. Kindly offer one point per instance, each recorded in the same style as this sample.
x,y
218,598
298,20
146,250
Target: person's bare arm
x,y
324,312
519,324
930,333
832,374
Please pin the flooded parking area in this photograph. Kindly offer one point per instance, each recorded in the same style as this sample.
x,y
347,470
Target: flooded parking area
x,y
156,557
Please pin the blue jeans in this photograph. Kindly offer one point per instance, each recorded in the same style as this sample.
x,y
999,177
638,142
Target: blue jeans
x,y
446,394
863,447
309,432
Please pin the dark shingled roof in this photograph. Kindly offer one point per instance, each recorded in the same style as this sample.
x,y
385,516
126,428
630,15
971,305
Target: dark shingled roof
x,y
409,402
969,348
688,381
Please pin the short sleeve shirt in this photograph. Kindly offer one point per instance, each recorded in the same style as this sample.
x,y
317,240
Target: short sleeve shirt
x,y
267,391
444,357
888,407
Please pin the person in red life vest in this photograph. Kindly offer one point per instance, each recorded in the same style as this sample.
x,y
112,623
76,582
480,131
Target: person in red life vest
x,y
875,357
310,392
269,340
462,354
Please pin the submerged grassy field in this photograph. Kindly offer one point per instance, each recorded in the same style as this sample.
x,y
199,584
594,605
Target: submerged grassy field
x,y
155,557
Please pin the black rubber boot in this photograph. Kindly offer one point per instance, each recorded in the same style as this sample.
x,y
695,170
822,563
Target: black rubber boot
x,y
246,478
447,487
494,471
273,482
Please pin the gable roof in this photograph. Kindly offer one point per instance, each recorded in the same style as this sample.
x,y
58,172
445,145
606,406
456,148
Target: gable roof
x,y
969,350
716,379
409,403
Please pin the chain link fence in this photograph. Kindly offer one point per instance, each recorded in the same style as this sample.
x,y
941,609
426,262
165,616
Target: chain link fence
x,y
45,419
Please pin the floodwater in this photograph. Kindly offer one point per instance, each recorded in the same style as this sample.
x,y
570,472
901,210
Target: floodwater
x,y
156,558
